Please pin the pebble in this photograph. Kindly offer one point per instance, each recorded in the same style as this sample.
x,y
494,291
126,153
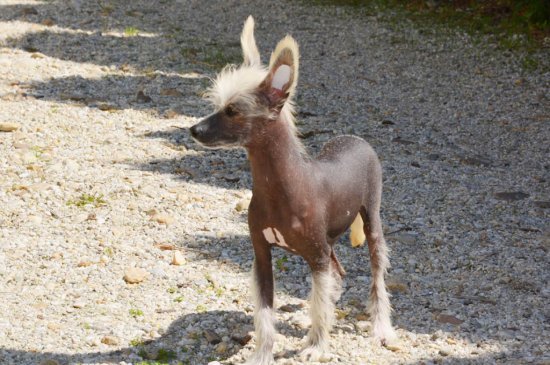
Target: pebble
x,y
28,157
34,219
178,258
242,205
9,127
163,218
363,326
110,340
49,362
222,348
445,318
135,275
241,339
287,308
212,337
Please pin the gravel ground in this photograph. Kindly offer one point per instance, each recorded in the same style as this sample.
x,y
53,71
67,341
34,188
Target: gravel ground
x,y
99,177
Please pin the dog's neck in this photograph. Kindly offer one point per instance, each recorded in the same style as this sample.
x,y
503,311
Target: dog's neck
x,y
278,162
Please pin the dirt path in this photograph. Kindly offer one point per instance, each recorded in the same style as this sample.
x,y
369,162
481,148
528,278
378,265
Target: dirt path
x,y
101,176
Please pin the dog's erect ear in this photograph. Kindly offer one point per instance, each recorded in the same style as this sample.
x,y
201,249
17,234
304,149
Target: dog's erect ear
x,y
280,83
251,54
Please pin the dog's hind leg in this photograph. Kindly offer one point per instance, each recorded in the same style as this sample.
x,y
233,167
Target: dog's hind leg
x,y
379,301
326,289
264,319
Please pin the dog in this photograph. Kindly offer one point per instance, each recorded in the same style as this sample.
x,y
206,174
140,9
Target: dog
x,y
299,203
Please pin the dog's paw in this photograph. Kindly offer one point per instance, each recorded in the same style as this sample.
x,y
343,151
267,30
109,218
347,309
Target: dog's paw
x,y
260,358
316,353
385,333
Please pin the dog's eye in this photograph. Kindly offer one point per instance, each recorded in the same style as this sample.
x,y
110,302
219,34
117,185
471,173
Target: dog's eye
x,y
231,111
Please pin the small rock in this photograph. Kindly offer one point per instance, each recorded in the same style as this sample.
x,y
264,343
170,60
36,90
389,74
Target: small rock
x,y
48,22
212,337
53,327
542,204
393,347
142,98
9,127
446,318
397,287
49,362
170,114
241,339
35,219
443,353
242,205
402,141
362,326
221,348
476,161
163,218
405,238
511,195
21,145
110,340
28,157
106,107
214,363
29,10
231,177
170,92
79,304
177,258
134,275
288,308
300,321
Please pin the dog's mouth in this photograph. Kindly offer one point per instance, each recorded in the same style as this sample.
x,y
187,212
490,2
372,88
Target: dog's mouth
x,y
216,144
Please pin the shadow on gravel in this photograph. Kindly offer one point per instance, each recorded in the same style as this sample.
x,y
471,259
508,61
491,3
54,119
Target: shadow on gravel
x,y
224,169
89,15
179,94
192,337
121,34
236,253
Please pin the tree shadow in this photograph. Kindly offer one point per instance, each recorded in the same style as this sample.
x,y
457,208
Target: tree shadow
x,y
86,15
179,94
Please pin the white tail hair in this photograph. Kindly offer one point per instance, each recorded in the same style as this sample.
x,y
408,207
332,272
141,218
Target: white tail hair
x,y
357,235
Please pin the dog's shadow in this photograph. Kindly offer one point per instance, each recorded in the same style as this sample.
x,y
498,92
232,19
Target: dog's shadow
x,y
195,338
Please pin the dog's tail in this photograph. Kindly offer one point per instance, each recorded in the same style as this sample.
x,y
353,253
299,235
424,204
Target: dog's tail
x,y
357,235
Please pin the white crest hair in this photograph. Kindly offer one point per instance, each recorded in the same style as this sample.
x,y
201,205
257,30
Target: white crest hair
x,y
239,83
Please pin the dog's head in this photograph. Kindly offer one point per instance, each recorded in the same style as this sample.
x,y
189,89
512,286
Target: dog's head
x,y
247,97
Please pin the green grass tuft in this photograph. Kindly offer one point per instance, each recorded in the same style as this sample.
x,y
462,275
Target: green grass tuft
x,y
87,199
136,312
131,31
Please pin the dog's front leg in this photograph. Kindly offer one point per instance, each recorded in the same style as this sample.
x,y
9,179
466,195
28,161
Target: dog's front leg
x,y
325,291
262,288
